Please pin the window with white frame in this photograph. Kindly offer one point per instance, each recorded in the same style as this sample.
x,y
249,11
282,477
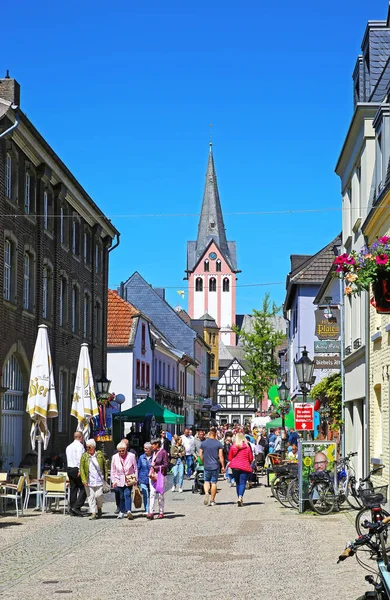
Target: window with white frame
x,y
27,193
63,301
62,225
87,315
7,269
8,176
75,235
27,281
45,211
75,308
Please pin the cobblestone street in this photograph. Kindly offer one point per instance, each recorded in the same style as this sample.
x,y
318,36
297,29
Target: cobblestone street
x,y
222,550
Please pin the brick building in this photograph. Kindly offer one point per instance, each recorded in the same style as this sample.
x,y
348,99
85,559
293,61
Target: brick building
x,y
54,253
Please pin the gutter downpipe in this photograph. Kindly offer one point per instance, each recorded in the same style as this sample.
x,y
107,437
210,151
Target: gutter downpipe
x,y
342,371
366,412
15,125
118,235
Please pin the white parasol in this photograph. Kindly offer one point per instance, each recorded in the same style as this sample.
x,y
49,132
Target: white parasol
x,y
41,403
84,404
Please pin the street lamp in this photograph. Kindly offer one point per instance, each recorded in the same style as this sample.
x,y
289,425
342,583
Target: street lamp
x,y
304,368
103,385
284,407
120,399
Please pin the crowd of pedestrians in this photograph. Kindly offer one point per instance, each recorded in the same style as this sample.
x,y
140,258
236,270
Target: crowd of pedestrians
x,y
232,453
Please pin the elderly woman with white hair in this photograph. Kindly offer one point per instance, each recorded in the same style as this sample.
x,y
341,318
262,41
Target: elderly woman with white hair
x,y
124,474
93,472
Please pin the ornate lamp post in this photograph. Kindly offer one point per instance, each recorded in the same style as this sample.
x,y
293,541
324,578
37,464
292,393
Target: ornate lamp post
x,y
304,368
284,407
325,417
103,389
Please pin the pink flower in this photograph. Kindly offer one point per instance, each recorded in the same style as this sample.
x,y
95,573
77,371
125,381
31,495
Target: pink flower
x,y
350,260
384,239
382,259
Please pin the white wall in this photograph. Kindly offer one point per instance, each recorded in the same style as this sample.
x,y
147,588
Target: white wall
x,y
199,308
226,303
120,372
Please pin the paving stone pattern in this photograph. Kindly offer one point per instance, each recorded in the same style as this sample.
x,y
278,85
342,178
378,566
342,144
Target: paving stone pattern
x,y
261,550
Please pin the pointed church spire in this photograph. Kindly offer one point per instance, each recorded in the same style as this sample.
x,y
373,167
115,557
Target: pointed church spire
x,y
211,225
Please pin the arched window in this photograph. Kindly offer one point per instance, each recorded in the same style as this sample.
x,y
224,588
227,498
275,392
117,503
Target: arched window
x,y
225,285
218,265
199,284
212,285
206,265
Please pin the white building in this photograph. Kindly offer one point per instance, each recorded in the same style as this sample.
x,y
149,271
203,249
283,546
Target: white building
x,y
236,405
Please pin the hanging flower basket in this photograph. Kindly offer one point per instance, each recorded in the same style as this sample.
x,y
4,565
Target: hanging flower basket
x,y
369,268
381,291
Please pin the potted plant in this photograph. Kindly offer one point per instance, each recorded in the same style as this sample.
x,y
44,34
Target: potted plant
x,y
369,267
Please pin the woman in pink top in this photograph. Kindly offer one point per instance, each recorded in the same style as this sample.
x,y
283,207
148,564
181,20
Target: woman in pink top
x,y
240,461
123,463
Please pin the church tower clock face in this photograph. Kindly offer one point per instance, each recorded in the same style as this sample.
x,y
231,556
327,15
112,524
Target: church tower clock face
x,y
212,264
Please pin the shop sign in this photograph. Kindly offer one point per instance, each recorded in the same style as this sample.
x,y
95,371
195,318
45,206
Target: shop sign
x,y
327,324
327,362
327,346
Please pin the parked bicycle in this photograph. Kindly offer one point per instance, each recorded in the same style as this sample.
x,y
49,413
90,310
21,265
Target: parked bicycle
x,y
374,541
373,499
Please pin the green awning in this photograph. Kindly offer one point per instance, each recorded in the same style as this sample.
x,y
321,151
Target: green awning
x,y
149,406
289,421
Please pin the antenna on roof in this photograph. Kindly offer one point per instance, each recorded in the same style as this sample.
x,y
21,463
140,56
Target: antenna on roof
x,y
7,74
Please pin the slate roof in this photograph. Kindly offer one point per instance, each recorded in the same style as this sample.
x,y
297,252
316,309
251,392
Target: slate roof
x,y
120,320
297,261
382,85
141,295
313,271
208,321
211,225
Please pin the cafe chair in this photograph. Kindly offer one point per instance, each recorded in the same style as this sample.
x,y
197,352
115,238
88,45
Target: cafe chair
x,y
13,491
33,488
54,487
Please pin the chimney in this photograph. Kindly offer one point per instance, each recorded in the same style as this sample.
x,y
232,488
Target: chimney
x,y
160,292
10,89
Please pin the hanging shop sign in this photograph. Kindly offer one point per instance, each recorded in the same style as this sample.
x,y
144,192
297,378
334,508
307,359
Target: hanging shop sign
x,y
327,362
327,346
327,324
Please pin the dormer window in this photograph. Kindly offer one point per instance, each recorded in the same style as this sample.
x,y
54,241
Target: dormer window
x,y
199,284
206,265
212,285
218,265
212,224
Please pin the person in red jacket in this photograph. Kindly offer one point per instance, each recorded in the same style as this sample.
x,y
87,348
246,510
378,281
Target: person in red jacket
x,y
240,461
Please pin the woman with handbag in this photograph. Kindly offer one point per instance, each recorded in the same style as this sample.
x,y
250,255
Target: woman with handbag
x,y
178,453
93,474
124,474
157,473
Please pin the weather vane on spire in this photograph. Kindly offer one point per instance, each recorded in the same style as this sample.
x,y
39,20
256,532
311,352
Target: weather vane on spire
x,y
211,134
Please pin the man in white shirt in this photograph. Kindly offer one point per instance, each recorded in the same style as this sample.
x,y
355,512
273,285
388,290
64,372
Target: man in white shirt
x,y
189,444
74,452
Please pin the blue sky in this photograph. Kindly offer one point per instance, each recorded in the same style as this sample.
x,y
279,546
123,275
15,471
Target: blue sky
x,y
125,93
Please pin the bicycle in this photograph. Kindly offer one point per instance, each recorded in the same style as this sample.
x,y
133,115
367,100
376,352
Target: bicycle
x,y
346,481
322,496
378,551
373,499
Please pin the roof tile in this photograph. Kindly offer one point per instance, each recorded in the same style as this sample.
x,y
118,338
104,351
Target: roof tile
x,y
119,320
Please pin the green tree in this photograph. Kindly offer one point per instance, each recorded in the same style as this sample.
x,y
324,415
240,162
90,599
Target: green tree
x,y
259,346
329,390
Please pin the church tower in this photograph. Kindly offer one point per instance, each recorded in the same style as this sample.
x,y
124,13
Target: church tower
x,y
212,264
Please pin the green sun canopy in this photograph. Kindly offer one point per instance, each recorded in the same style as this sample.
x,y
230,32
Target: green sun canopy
x,y
149,406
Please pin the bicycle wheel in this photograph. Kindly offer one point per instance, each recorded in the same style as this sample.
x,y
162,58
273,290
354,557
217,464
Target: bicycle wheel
x,y
322,498
353,497
364,514
384,551
281,492
293,493
274,484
